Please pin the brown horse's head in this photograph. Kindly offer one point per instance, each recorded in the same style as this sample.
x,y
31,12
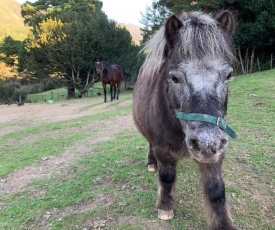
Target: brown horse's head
x,y
99,67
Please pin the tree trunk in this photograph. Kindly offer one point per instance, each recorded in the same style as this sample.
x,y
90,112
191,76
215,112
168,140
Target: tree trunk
x,y
246,60
241,60
252,59
70,91
259,67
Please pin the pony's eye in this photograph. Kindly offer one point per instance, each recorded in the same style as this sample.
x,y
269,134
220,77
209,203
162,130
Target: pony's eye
x,y
175,79
229,76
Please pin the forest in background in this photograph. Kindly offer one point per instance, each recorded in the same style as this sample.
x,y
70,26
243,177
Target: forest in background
x,y
12,24
68,35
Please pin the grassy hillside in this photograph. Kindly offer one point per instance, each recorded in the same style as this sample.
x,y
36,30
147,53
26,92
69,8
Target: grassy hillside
x,y
11,24
107,186
134,31
11,21
60,94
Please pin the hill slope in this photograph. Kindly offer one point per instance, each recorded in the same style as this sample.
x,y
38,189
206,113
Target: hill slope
x,y
11,21
134,31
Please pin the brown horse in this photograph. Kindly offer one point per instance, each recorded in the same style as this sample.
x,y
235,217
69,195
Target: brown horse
x,y
111,74
180,101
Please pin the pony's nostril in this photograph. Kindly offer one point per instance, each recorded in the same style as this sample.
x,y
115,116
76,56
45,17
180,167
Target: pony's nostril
x,y
195,144
214,149
224,143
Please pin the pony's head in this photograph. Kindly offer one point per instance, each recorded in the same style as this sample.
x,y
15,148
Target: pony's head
x,y
196,66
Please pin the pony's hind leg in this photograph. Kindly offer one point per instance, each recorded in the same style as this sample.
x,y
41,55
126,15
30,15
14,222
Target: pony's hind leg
x,y
151,160
166,190
214,193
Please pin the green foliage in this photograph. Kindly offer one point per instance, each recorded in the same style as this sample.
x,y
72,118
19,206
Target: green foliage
x,y
20,94
7,90
14,90
254,38
9,50
35,13
153,19
67,38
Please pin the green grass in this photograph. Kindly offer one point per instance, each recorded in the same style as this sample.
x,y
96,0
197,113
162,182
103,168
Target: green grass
x,y
110,187
60,93
252,109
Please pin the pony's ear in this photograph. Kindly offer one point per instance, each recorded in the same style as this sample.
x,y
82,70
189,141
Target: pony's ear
x,y
172,26
226,21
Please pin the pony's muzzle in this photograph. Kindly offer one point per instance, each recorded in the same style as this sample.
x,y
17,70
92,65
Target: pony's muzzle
x,y
207,146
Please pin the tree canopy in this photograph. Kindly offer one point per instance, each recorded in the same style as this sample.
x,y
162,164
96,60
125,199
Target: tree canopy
x,y
67,36
254,37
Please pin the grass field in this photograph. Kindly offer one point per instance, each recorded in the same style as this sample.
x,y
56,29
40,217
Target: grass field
x,y
58,95
86,169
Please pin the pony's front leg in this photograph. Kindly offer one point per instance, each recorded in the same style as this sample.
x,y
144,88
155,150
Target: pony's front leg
x,y
214,193
151,160
166,190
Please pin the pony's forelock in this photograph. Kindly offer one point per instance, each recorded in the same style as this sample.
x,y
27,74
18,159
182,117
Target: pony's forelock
x,y
200,37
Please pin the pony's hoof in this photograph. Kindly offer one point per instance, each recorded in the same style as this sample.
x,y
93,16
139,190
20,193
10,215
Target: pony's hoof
x,y
152,168
165,215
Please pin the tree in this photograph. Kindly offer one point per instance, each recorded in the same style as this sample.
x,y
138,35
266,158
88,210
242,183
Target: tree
x,y
153,19
67,38
254,37
9,49
35,13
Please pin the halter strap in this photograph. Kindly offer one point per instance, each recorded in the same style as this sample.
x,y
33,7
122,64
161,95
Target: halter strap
x,y
219,121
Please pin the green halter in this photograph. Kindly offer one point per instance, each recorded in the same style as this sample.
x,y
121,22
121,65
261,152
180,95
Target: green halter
x,y
219,121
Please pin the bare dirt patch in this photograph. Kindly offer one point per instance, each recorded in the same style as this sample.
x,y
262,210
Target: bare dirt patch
x,y
36,113
33,114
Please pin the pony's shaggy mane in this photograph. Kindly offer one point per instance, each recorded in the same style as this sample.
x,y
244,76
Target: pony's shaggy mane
x,y
200,37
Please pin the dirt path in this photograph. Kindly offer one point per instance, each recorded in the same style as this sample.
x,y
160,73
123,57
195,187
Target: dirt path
x,y
34,114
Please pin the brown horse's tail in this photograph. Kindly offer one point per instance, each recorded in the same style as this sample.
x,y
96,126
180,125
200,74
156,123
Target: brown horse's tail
x,y
122,73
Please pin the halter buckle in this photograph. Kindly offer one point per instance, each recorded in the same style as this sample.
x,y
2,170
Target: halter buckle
x,y
221,123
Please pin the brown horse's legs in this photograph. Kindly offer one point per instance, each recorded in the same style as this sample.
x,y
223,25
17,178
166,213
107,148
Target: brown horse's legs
x,y
151,160
214,193
111,92
118,90
166,190
105,93
115,92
